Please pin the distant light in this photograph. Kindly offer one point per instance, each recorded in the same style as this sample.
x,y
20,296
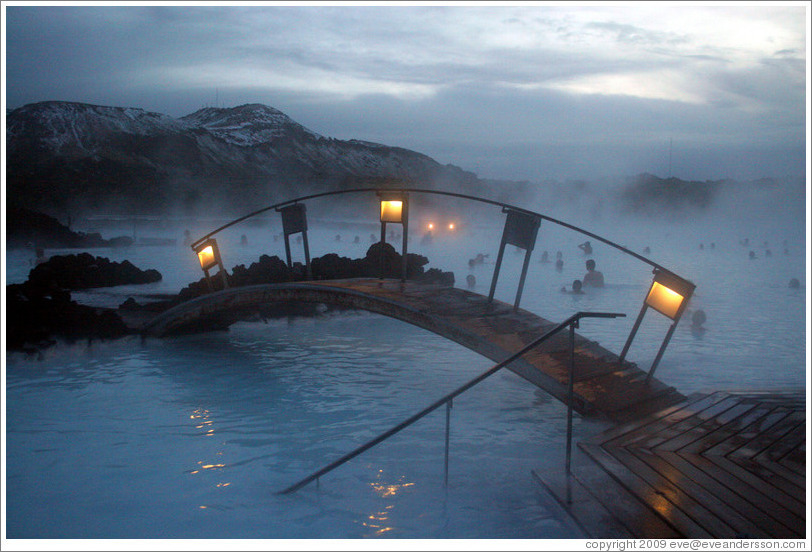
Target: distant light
x,y
431,226
451,226
391,211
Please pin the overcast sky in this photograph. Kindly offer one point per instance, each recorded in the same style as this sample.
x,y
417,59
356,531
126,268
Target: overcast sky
x,y
525,91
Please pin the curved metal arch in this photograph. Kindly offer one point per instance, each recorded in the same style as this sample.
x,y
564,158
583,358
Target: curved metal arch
x,y
541,216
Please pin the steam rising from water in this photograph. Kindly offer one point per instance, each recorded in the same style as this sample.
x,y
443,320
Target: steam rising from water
x,y
204,428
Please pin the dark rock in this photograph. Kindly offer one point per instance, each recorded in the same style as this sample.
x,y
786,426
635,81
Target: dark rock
x,y
129,304
328,267
85,271
41,309
27,228
437,276
36,314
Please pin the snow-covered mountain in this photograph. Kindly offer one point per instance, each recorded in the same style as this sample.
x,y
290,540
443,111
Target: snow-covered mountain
x,y
247,125
66,157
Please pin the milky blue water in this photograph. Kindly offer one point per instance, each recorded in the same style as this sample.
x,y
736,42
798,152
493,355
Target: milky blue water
x,y
191,437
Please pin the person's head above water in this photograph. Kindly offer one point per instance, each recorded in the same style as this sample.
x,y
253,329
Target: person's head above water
x,y
576,285
590,264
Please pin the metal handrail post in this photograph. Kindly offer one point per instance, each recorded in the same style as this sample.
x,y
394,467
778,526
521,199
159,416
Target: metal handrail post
x,y
570,388
448,406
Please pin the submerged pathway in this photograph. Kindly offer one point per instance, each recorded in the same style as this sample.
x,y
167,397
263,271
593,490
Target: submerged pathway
x,y
603,387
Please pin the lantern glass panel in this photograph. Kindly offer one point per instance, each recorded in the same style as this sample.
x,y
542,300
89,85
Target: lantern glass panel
x,y
206,257
664,300
391,211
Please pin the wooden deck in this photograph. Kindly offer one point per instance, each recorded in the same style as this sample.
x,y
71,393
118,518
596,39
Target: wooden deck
x,y
719,465
603,387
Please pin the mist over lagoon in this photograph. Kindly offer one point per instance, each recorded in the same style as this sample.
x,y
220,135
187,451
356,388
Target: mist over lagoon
x,y
676,132
303,390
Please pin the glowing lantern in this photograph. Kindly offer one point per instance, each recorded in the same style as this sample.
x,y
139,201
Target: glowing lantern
x,y
668,295
209,256
664,300
395,209
451,226
391,211
206,257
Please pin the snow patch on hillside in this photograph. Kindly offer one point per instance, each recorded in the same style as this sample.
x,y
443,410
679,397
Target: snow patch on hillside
x,y
247,125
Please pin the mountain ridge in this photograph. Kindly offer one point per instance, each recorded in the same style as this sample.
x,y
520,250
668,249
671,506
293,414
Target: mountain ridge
x,y
71,157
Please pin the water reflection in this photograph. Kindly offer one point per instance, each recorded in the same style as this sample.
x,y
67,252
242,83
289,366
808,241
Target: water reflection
x,y
379,520
205,423
388,489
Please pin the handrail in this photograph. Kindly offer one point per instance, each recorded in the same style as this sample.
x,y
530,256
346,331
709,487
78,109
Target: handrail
x,y
572,320
439,192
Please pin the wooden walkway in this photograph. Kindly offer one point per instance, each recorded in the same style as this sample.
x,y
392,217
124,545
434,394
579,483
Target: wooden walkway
x,y
603,387
719,465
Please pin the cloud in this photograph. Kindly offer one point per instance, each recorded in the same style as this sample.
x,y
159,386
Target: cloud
x,y
458,83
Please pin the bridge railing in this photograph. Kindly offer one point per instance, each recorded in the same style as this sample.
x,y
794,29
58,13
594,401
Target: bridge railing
x,y
503,205
669,293
572,322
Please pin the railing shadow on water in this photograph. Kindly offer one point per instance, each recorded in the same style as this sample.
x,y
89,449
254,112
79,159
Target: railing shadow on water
x,y
572,323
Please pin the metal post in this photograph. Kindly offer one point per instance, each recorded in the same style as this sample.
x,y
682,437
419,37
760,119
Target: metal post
x,y
287,250
405,224
223,273
496,269
527,253
661,351
383,242
633,333
208,280
448,405
570,386
308,271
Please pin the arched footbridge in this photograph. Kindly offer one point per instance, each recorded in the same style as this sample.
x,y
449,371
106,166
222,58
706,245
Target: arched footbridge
x,y
602,385
646,492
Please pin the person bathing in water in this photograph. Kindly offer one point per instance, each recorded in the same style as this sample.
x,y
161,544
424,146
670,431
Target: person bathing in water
x,y
593,278
576,288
